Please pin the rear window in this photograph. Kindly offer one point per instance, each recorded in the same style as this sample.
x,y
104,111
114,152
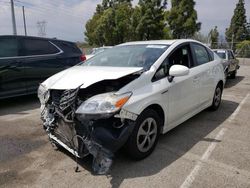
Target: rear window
x,y
221,54
37,47
201,54
68,47
8,47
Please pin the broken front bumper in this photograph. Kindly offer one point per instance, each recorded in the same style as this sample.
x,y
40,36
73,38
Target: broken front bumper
x,y
99,136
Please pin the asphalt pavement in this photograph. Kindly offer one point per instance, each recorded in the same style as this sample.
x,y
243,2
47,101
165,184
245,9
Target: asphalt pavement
x,y
211,149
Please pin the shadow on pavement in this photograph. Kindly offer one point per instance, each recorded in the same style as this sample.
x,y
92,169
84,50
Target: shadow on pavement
x,y
172,145
18,104
170,148
232,82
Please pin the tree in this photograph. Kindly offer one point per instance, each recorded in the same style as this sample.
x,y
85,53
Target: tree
x,y
214,37
151,22
201,37
243,49
237,30
111,23
116,21
182,19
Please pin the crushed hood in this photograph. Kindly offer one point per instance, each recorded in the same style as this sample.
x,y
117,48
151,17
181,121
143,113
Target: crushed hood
x,y
86,76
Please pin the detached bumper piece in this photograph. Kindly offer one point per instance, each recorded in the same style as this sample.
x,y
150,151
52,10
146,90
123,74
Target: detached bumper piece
x,y
99,136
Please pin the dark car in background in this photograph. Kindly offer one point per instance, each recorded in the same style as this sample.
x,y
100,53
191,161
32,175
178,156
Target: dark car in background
x,y
230,63
27,61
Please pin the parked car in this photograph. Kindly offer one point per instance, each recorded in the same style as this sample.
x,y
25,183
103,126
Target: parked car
x,y
25,62
128,96
97,50
230,63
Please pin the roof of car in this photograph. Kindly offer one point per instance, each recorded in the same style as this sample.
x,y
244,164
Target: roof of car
x,y
34,37
166,42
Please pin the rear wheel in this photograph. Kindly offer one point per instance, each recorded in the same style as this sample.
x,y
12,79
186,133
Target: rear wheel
x,y
217,97
145,135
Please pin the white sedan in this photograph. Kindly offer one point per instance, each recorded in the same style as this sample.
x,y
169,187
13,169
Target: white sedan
x,y
128,96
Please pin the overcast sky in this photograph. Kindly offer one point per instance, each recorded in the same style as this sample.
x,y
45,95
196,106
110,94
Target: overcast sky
x,y
66,18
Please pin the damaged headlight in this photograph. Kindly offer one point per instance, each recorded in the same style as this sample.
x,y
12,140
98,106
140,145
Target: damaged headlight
x,y
103,103
43,94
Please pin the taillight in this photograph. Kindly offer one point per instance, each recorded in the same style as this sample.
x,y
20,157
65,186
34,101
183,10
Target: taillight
x,y
83,57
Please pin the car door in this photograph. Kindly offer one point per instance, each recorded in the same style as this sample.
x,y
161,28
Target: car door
x,y
204,64
183,94
41,61
11,70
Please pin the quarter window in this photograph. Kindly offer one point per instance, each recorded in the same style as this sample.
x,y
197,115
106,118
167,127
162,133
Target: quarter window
x,y
8,47
201,54
37,47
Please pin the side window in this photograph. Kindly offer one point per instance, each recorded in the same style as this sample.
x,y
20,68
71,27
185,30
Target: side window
x,y
8,47
211,54
162,71
201,54
37,47
180,56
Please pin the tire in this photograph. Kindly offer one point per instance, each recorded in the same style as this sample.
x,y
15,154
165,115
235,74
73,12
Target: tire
x,y
233,74
217,97
141,143
226,75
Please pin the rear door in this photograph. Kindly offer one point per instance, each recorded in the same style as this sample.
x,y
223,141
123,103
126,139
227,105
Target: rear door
x,y
41,61
204,62
11,70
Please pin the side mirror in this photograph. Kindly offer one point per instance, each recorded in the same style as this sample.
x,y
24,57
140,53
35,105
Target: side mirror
x,y
178,70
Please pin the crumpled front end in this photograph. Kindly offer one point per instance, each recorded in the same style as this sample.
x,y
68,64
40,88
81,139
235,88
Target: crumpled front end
x,y
98,134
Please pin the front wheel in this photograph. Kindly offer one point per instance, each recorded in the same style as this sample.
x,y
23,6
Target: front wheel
x,y
217,98
144,137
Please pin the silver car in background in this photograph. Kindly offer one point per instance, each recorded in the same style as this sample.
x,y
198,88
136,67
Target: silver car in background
x,y
230,63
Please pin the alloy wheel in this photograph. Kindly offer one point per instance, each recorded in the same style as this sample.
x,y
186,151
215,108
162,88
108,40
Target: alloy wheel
x,y
146,135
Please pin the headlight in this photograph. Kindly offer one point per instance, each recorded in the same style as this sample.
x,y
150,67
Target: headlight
x,y
43,94
103,103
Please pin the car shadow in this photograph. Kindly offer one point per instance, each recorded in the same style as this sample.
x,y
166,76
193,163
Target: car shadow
x,y
232,82
18,105
170,148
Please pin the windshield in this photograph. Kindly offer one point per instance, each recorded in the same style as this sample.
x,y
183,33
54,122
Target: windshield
x,y
128,56
221,54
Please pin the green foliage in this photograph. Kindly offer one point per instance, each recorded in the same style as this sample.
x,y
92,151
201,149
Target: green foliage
x,y
214,38
200,37
182,19
111,23
116,21
237,31
243,49
151,23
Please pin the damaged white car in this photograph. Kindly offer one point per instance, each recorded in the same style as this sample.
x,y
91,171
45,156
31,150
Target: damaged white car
x,y
127,96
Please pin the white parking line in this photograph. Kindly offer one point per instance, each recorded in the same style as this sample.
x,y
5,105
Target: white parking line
x,y
191,177
232,117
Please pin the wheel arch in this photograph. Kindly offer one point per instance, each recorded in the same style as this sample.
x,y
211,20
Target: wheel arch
x,y
159,110
221,84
